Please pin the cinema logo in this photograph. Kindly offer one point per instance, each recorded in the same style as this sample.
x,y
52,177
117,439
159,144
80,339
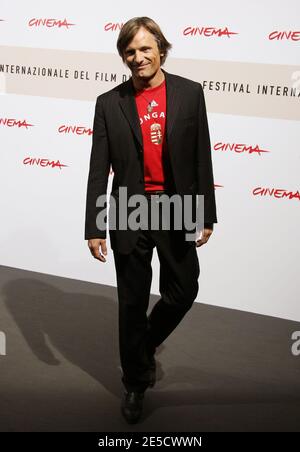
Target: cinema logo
x,y
76,130
208,32
278,193
11,122
112,27
32,161
49,23
284,35
239,148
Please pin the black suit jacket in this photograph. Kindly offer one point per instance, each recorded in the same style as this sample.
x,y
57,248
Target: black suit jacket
x,y
118,143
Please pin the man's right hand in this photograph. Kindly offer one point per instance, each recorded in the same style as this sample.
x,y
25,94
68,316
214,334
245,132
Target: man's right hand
x,y
95,245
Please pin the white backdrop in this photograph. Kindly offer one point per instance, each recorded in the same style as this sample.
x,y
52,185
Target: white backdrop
x,y
251,261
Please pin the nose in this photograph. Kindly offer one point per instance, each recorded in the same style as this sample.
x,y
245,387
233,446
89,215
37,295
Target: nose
x,y
138,57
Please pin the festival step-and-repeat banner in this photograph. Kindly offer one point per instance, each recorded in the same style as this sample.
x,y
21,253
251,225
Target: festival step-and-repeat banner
x,y
57,57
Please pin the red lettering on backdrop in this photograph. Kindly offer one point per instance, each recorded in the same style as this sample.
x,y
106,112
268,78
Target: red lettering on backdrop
x,y
11,122
208,31
49,23
112,27
288,35
43,162
276,193
238,148
77,130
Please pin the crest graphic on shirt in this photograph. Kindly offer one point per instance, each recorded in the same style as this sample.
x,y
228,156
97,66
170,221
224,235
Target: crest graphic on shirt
x,y
156,133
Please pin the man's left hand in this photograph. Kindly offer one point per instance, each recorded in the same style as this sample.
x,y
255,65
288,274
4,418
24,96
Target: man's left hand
x,y
205,234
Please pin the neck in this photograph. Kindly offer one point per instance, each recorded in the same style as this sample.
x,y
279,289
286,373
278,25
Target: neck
x,y
156,80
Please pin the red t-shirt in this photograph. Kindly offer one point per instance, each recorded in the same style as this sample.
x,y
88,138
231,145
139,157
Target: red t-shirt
x,y
153,131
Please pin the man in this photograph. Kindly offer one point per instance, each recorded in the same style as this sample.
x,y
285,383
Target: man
x,y
152,130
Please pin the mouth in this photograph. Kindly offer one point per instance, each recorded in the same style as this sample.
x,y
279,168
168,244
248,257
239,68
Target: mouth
x,y
141,67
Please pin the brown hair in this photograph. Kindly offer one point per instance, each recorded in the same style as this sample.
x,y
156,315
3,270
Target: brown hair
x,y
132,26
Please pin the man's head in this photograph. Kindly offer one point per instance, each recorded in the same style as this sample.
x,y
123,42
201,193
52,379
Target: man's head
x,y
142,46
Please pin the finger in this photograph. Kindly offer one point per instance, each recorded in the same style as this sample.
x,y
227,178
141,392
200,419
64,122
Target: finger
x,y
206,234
96,254
103,248
203,240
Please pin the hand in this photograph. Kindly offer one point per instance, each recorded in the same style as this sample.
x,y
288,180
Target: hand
x,y
95,245
205,234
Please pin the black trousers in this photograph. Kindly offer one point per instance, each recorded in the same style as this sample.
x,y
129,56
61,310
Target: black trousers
x,y
139,335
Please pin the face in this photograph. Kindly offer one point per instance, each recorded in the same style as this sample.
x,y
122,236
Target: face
x,y
142,55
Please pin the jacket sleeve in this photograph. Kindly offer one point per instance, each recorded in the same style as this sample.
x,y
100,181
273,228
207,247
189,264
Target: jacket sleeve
x,y
98,174
204,164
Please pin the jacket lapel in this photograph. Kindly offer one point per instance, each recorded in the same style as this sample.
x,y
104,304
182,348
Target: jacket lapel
x,y
128,105
173,102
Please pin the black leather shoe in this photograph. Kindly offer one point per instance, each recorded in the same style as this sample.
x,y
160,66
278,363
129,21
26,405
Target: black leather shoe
x,y
132,406
152,372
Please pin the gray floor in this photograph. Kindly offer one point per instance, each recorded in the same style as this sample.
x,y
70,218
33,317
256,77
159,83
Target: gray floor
x,y
221,370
